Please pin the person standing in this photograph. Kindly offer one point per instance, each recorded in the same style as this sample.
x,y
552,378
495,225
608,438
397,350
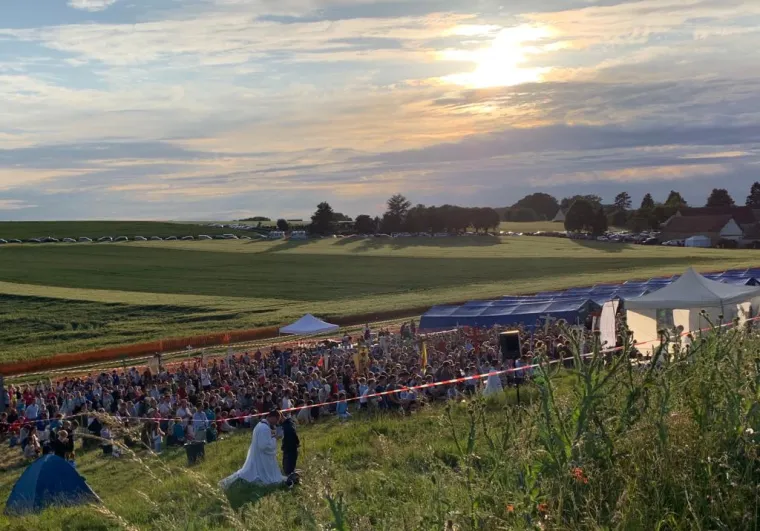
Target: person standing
x,y
290,445
260,465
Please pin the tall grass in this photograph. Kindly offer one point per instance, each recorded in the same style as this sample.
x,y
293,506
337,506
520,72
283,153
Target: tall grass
x,y
606,443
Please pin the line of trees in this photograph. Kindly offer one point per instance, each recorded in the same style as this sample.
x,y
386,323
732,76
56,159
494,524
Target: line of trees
x,y
582,213
401,216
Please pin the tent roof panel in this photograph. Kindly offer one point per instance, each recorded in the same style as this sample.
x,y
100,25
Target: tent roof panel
x,y
692,290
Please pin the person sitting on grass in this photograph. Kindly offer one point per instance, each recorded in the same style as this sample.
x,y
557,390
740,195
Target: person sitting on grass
x,y
341,408
304,415
177,433
32,449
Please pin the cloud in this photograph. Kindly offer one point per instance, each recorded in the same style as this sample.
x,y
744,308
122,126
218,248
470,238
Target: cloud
x,y
91,5
14,204
158,108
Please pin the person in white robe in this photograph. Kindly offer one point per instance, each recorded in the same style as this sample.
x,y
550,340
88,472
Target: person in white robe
x,y
261,465
493,383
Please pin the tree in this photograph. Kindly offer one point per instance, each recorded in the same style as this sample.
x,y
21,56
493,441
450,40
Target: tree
x,y
395,215
599,225
567,202
623,201
647,203
337,216
282,225
364,224
719,198
520,214
544,205
753,199
321,221
484,218
675,200
582,216
417,219
618,218
257,218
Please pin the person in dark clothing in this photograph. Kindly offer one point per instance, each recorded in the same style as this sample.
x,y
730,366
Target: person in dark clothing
x,y
290,444
61,444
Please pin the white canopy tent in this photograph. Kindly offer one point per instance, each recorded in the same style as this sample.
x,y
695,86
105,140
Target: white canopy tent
x,y
681,303
308,325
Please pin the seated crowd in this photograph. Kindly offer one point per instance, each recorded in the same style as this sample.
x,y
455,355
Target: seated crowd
x,y
198,400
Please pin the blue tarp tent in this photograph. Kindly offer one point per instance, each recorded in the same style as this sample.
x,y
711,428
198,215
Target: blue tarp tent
x,y
740,281
527,312
48,481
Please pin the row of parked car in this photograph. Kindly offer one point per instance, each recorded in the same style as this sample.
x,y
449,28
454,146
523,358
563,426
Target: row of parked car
x,y
643,238
109,239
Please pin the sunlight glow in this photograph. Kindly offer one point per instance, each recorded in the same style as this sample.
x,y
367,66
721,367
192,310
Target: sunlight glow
x,y
500,65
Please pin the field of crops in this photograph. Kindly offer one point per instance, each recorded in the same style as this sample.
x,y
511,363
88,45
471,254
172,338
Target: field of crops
x,y
24,230
57,298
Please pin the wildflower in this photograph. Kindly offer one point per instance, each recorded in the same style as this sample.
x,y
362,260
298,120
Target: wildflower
x,y
749,431
543,508
579,476
510,508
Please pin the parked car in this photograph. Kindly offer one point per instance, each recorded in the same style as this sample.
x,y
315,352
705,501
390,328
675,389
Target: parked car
x,y
121,239
34,240
156,239
50,239
651,241
105,239
141,239
2,241
187,238
14,240
170,238
84,239
69,240
230,237
205,237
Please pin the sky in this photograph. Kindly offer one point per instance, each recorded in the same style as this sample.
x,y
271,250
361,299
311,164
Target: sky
x,y
223,109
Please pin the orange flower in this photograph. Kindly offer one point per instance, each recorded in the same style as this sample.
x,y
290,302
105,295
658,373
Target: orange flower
x,y
579,476
542,508
510,508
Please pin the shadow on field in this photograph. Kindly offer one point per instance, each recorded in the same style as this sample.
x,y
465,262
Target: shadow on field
x,y
607,247
367,244
285,245
242,493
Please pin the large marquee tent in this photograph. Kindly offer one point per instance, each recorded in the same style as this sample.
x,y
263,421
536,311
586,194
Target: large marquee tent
x,y
683,302
573,305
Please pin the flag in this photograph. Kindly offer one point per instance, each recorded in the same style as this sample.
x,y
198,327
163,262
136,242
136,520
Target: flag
x,y
424,356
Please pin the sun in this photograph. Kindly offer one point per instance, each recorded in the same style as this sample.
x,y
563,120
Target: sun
x,y
502,64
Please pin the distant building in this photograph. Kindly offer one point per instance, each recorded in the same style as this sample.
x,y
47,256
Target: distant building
x,y
559,217
745,216
716,227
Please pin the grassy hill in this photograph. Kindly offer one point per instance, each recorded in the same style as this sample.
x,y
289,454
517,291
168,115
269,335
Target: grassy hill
x,y
58,298
609,446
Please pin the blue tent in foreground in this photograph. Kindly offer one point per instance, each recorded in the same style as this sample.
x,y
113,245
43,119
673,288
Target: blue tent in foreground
x,y
48,481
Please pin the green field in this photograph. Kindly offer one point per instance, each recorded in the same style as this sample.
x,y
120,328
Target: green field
x,y
531,226
24,230
58,298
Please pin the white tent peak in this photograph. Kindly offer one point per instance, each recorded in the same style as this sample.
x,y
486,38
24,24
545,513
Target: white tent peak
x,y
308,324
692,290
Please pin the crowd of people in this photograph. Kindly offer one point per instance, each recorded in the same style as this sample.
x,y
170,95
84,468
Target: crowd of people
x,y
200,399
